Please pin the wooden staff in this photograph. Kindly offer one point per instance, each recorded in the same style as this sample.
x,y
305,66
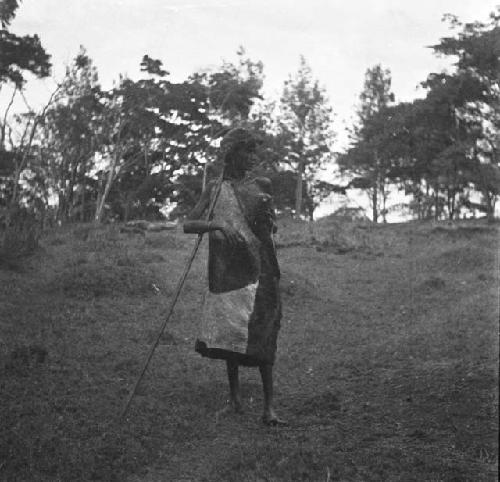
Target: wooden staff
x,y
178,290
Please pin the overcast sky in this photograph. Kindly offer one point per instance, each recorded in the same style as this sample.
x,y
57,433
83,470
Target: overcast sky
x,y
340,39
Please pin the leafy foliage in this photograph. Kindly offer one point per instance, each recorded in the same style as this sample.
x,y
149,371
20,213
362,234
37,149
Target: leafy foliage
x,y
150,145
440,149
305,131
365,159
19,54
69,139
8,11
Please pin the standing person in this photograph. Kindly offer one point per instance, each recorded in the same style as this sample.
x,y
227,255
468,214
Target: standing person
x,y
241,308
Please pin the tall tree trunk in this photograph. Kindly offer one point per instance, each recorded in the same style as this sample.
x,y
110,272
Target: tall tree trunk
x,y
70,196
427,213
103,195
374,204
204,180
61,206
483,187
375,188
310,210
82,186
436,204
298,188
3,126
82,204
384,203
26,151
309,203
109,182
100,192
490,206
451,204
417,194
126,208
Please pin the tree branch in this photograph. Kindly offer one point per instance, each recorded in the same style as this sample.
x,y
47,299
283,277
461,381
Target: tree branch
x,y
27,149
4,122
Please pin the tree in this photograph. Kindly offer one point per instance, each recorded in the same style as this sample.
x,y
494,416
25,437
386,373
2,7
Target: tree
x,y
440,149
70,138
305,129
162,135
18,55
234,87
135,138
21,154
474,99
226,97
366,159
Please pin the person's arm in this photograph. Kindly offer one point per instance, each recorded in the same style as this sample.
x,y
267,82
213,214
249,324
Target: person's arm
x,y
200,226
194,225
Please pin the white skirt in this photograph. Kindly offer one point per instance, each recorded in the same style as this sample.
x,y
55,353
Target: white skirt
x,y
224,322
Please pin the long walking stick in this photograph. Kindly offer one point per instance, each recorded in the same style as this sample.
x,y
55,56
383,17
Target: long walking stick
x,y
178,290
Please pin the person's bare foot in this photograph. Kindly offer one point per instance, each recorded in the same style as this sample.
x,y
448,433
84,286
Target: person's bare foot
x,y
271,419
232,407
236,405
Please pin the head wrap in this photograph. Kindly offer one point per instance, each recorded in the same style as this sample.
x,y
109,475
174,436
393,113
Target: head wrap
x,y
238,137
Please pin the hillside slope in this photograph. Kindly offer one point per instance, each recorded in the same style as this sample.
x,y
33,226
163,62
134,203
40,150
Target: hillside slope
x,y
386,369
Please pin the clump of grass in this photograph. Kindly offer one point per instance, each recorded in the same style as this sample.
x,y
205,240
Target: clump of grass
x,y
17,241
82,232
463,231
103,263
151,258
432,284
97,238
57,241
463,258
86,281
326,235
103,238
165,240
104,245
23,357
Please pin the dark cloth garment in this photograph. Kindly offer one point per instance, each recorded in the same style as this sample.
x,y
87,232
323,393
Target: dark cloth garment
x,y
251,269
222,354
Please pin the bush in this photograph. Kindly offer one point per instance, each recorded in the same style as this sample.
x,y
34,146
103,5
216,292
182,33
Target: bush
x,y
18,239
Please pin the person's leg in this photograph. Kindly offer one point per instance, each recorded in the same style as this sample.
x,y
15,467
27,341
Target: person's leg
x,y
269,417
234,386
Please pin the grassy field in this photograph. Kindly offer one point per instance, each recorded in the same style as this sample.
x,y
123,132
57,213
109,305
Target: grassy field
x,y
386,368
